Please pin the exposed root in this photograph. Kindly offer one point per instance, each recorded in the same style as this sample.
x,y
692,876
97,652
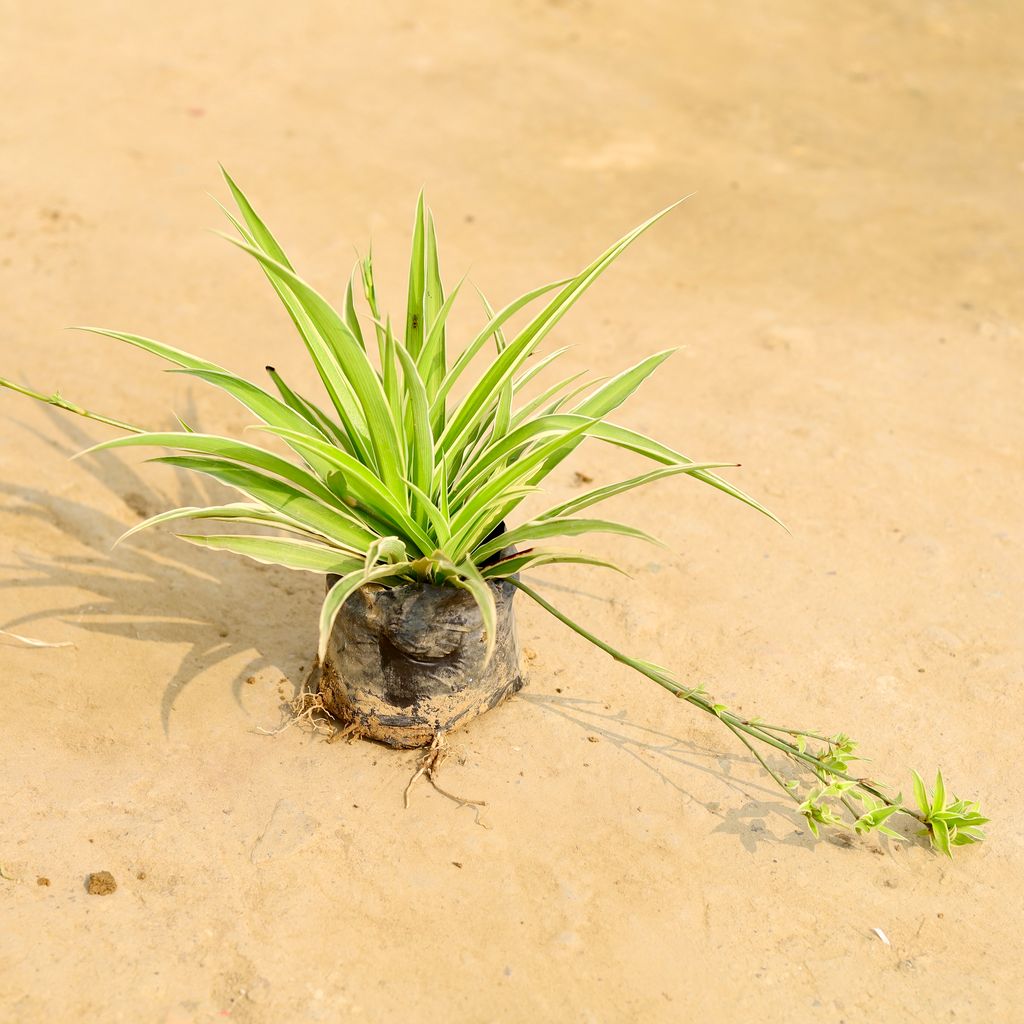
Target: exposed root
x,y
430,764
351,732
430,761
306,707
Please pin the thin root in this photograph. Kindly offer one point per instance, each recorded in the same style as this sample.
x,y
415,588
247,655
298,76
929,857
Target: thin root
x,y
351,732
304,708
430,764
309,707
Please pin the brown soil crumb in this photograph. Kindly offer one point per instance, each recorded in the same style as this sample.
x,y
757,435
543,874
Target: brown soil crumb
x,y
457,863
594,739
42,880
100,883
141,876
251,680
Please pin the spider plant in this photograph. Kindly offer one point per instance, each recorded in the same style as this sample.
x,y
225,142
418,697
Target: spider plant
x,y
413,461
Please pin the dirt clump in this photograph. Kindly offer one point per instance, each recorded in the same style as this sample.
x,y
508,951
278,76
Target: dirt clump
x,y
100,883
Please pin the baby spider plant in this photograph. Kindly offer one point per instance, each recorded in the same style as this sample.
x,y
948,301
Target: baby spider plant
x,y
410,464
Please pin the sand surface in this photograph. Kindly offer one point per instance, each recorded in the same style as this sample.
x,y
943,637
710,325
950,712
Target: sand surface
x,y
845,289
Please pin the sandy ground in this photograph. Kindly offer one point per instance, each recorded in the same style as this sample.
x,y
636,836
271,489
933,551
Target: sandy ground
x,y
845,289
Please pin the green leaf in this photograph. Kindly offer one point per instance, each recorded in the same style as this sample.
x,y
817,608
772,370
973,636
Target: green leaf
x,y
617,390
611,395
157,348
292,554
543,529
967,836
417,284
891,833
351,319
344,362
225,448
599,494
633,441
519,348
940,837
921,795
432,360
502,317
497,455
437,518
236,512
266,407
503,413
481,592
389,370
471,521
874,818
939,796
261,238
338,388
364,485
422,445
441,492
259,231
332,376
539,402
532,559
435,313
385,549
539,367
311,413
280,496
563,400
433,290
292,400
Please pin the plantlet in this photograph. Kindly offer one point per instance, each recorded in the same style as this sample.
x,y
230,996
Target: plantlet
x,y
396,482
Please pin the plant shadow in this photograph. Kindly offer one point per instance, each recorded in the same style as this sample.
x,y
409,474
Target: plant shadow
x,y
138,591
661,753
153,587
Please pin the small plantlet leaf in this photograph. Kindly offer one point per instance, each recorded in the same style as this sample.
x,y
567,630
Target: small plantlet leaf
x,y
939,796
921,795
